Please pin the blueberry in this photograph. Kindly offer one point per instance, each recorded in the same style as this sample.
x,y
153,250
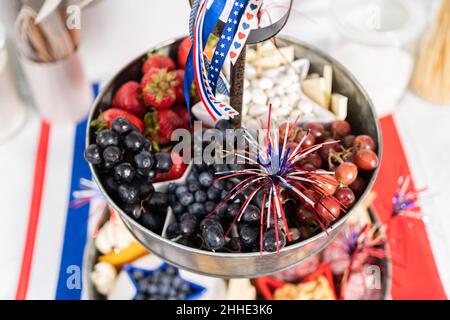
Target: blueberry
x,y
158,200
145,189
219,184
192,177
220,167
144,160
270,241
107,138
186,199
197,208
124,172
92,154
147,175
128,193
249,234
172,271
258,198
152,289
121,125
194,186
233,210
182,189
213,194
177,208
224,194
234,244
163,162
171,188
134,211
200,196
177,282
173,230
252,214
213,237
221,212
210,222
210,206
110,184
152,221
112,155
229,185
205,178
188,227
137,274
107,166
134,141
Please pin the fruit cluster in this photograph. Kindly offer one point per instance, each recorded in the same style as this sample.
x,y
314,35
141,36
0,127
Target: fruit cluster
x,y
350,157
127,169
202,222
161,284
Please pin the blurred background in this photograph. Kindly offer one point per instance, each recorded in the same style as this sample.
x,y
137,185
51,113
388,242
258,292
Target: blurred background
x,y
46,91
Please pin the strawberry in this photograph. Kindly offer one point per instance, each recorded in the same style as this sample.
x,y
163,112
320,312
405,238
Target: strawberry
x,y
159,62
178,85
183,52
128,98
177,171
106,118
157,86
183,113
168,122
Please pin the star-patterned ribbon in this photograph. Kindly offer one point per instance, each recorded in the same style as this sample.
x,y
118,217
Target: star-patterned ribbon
x,y
226,42
207,75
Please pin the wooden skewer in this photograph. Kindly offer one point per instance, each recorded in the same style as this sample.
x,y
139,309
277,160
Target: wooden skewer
x,y
431,78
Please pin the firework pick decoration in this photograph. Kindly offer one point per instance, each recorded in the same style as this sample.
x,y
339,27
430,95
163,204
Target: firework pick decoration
x,y
405,202
359,245
271,168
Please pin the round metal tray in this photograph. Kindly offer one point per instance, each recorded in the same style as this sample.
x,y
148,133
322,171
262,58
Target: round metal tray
x,y
361,116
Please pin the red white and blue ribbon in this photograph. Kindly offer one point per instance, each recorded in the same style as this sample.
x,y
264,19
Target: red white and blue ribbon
x,y
215,108
207,74
226,43
248,22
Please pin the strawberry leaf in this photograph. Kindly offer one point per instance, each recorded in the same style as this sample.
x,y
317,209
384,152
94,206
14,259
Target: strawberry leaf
x,y
152,128
99,124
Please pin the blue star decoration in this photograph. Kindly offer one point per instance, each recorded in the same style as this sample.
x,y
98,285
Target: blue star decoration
x,y
162,283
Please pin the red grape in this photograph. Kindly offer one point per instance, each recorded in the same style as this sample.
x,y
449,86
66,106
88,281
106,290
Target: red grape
x,y
313,196
364,142
308,167
328,208
329,186
314,159
304,215
340,128
366,159
346,173
309,141
316,128
347,141
325,150
358,186
345,196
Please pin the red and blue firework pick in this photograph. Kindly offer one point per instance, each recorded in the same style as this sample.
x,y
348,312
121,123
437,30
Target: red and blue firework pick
x,y
271,166
360,245
207,74
405,202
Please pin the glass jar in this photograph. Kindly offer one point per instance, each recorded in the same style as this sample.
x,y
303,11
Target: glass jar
x,y
378,40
